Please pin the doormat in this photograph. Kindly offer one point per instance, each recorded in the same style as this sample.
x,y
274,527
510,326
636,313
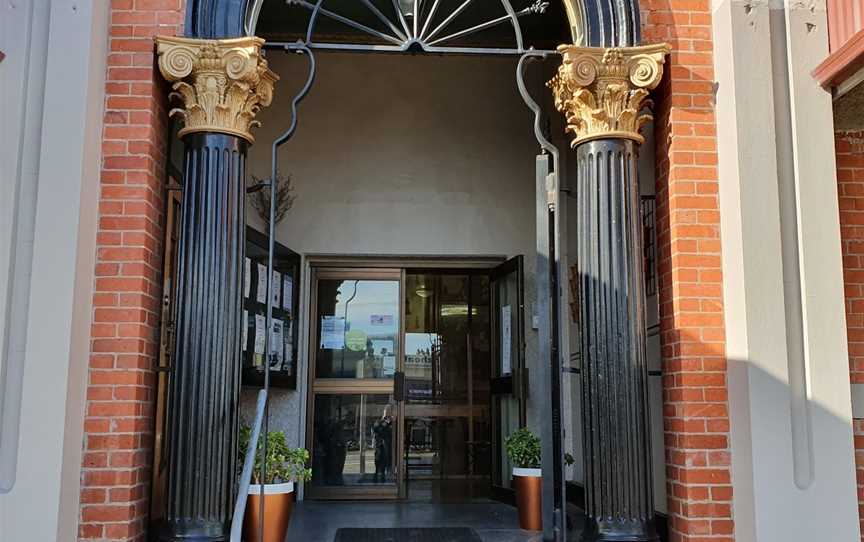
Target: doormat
x,y
408,534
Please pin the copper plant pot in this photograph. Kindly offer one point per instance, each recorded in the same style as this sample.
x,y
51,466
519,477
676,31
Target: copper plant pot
x,y
277,514
529,491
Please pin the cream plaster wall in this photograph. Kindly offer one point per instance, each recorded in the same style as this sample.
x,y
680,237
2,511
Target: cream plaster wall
x,y
402,155
57,180
790,414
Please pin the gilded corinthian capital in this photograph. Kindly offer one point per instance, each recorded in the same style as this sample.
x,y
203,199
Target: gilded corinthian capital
x,y
222,83
602,91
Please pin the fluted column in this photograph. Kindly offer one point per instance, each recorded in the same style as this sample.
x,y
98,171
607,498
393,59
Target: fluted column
x,y
222,84
601,92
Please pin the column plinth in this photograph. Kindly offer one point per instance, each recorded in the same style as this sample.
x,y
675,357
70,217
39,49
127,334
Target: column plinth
x,y
602,93
222,84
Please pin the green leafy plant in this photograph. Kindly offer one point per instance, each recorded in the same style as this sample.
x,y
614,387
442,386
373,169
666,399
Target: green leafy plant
x,y
569,459
283,464
523,449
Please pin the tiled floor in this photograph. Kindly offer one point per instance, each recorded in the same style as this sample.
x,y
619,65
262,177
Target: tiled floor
x,y
318,521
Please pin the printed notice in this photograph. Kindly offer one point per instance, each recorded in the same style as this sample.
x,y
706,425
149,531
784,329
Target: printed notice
x,y
332,333
245,324
277,287
261,293
381,319
276,345
260,326
287,292
506,335
247,277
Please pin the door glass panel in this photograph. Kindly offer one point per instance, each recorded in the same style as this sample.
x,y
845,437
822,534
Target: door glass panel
x,y
355,441
357,328
506,409
508,374
447,368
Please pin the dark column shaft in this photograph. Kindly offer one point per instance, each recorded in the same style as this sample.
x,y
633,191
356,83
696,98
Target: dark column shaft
x,y
205,380
618,484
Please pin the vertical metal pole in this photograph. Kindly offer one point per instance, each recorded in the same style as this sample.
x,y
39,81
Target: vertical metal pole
x,y
549,364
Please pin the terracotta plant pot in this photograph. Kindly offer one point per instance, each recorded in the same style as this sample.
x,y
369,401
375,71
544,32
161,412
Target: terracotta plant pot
x,y
278,503
529,490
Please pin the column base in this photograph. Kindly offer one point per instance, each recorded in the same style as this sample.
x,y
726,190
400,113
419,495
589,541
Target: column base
x,y
192,531
619,531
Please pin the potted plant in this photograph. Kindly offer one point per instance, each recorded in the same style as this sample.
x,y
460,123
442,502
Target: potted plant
x,y
284,466
523,449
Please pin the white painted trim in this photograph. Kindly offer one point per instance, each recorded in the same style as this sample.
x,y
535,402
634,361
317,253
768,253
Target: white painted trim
x,y
272,489
532,473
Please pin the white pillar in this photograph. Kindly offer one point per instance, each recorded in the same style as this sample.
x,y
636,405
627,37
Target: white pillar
x,y
61,129
792,457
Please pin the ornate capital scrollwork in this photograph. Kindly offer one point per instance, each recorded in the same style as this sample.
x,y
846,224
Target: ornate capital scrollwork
x,y
602,91
222,83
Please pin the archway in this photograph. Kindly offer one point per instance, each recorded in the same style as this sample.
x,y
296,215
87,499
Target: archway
x,y
601,25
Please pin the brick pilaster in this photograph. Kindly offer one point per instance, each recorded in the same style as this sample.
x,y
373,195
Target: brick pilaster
x,y
127,285
849,147
696,417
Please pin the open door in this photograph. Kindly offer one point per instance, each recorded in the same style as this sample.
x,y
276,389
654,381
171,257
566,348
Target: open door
x,y
509,377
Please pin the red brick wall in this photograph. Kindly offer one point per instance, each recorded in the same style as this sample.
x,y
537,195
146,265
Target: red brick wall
x,y
115,473
850,190
696,416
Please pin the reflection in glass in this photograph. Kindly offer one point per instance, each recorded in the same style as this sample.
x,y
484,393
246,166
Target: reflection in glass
x,y
358,328
447,368
355,440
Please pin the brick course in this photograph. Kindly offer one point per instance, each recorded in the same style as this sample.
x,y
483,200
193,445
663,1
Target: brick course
x,y
115,476
849,147
695,394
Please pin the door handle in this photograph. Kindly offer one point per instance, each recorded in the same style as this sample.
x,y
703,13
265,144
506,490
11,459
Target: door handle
x,y
399,386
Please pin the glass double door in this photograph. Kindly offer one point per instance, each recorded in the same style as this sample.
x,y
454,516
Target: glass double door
x,y
409,395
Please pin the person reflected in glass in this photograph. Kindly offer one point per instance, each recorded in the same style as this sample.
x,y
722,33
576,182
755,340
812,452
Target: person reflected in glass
x,y
382,431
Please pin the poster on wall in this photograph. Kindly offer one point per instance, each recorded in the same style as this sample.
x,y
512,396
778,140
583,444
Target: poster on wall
x,y
332,333
506,334
260,326
247,276
277,287
287,292
276,345
245,324
261,292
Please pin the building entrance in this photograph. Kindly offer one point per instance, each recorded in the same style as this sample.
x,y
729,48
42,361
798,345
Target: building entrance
x,y
411,382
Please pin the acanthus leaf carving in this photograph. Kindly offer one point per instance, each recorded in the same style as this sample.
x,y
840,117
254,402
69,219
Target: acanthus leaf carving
x,y
601,92
221,83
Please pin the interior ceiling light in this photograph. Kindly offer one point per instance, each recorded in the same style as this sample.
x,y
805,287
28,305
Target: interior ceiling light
x,y
423,291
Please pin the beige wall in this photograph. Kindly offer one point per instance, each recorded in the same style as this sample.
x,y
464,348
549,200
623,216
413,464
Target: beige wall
x,y
63,51
789,397
402,155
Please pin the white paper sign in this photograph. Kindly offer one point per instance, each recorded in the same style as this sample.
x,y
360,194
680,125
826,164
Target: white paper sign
x,y
287,292
381,319
277,287
276,341
245,324
506,334
260,326
332,333
247,276
261,293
